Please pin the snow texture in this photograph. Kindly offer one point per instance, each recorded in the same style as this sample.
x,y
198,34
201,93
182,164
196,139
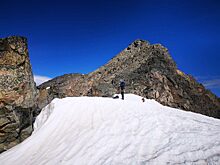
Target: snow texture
x,y
105,131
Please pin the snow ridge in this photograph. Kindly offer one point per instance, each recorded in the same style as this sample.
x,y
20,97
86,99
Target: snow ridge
x,y
103,131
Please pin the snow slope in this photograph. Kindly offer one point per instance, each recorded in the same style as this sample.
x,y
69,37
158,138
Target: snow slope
x,y
99,131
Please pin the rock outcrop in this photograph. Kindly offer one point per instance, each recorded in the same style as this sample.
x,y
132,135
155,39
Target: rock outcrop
x,y
148,71
61,87
17,92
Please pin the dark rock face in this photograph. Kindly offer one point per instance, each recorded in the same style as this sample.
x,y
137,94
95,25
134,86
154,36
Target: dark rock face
x,y
148,70
62,86
17,92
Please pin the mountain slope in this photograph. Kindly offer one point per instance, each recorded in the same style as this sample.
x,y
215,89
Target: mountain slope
x,y
148,71
93,130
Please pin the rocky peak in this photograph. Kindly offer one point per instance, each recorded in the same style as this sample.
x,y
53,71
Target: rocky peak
x,y
138,44
17,92
148,71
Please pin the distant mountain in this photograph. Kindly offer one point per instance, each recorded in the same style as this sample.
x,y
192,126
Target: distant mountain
x,y
148,71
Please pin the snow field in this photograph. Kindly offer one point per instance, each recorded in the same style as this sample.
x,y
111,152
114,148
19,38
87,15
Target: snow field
x,y
99,131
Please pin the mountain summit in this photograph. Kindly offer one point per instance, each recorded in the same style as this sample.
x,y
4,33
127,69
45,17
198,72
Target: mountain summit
x,y
148,71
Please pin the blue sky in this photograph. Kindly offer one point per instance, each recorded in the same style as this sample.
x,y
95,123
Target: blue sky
x,y
80,36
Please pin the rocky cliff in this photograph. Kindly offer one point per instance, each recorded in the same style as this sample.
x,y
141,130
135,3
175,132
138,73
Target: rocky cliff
x,y
17,92
148,71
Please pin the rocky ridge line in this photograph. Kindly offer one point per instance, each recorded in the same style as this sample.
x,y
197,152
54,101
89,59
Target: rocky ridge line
x,y
148,70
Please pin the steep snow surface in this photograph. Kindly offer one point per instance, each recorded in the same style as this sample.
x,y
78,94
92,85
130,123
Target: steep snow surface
x,y
105,131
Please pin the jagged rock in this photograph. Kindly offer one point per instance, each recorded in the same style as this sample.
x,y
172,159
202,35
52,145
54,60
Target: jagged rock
x,y
148,71
17,92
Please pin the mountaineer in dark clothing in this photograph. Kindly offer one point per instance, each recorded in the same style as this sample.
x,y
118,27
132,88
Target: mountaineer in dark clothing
x,y
122,88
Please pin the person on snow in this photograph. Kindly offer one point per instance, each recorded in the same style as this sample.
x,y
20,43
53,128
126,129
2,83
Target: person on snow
x,y
122,88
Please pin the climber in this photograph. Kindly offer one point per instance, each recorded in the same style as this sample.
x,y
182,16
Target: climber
x,y
122,88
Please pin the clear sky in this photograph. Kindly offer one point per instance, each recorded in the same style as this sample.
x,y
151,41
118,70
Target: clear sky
x,y
79,36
